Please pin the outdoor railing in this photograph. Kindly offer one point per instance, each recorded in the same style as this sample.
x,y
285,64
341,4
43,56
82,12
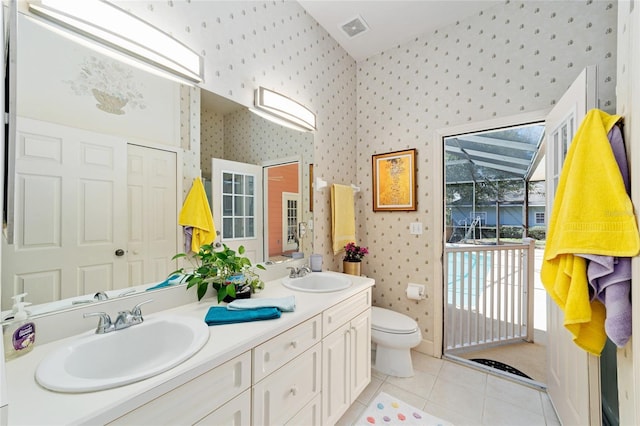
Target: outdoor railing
x,y
489,294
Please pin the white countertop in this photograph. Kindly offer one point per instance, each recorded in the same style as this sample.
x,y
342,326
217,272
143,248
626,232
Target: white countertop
x,y
30,404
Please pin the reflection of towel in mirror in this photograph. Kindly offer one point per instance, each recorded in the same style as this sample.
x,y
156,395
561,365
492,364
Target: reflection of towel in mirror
x,y
592,214
196,213
610,277
343,222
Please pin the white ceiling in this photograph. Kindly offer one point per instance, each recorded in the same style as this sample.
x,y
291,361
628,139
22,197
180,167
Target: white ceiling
x,y
390,23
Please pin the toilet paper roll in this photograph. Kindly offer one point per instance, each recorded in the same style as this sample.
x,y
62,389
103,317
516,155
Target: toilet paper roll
x,y
413,293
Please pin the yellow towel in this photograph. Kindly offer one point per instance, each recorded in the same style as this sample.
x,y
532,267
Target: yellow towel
x,y
592,214
343,219
196,213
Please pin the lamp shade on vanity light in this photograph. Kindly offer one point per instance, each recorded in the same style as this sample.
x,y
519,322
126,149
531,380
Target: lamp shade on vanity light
x,y
114,27
283,110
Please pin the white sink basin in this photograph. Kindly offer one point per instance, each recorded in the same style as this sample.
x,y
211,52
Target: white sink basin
x,y
104,361
318,282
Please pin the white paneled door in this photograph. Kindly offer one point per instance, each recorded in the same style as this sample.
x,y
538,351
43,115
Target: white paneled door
x,y
70,214
573,376
152,214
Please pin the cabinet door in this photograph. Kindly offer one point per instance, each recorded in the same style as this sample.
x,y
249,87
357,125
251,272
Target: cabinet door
x,y
360,353
335,374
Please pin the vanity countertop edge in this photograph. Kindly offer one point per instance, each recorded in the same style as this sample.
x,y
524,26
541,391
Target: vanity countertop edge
x,y
31,404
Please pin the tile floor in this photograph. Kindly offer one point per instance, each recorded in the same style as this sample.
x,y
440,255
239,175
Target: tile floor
x,y
460,395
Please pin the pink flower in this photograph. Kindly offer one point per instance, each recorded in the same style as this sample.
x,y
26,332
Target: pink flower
x,y
354,253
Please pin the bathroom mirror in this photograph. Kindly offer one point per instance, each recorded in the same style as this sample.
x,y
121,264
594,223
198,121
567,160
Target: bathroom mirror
x,y
151,115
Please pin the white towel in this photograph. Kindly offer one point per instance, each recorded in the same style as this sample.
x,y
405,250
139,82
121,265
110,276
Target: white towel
x,y
285,304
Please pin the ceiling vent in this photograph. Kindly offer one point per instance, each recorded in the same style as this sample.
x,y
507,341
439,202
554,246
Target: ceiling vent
x,y
355,26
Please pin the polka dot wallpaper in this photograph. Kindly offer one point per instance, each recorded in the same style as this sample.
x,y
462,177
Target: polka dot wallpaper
x,y
516,57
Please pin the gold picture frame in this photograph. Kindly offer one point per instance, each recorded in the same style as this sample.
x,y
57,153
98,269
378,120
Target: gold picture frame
x,y
394,181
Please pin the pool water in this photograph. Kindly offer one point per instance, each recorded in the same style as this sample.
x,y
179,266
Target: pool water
x,y
466,273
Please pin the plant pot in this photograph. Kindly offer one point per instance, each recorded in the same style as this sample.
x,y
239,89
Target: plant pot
x,y
240,282
351,268
246,294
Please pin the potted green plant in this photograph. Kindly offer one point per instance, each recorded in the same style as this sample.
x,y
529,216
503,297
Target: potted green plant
x,y
228,272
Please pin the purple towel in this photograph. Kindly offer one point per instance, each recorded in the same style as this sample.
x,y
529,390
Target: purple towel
x,y
610,277
188,235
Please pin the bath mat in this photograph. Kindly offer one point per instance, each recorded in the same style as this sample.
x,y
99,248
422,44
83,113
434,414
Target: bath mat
x,y
500,366
389,410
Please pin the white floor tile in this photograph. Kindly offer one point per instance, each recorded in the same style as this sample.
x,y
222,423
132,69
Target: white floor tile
x,y
514,393
461,395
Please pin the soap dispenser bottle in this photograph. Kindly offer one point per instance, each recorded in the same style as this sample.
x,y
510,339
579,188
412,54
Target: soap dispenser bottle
x,y
19,334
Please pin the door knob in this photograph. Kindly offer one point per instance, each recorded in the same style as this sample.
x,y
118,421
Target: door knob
x,y
119,252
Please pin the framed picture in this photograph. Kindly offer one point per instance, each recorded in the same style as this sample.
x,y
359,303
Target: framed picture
x,y
394,181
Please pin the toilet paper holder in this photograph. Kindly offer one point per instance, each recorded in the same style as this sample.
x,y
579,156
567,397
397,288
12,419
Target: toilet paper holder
x,y
416,291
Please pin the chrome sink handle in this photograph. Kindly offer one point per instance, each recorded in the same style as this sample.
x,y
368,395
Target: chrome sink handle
x,y
104,323
294,272
136,312
304,270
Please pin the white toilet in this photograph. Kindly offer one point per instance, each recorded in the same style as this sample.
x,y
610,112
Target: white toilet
x,y
393,335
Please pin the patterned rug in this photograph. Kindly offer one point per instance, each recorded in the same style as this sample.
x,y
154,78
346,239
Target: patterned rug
x,y
389,410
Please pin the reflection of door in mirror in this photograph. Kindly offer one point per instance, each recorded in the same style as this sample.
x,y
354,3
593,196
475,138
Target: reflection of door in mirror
x,y
236,205
88,109
282,210
92,237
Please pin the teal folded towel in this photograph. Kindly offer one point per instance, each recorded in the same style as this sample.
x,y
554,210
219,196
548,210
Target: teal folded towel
x,y
172,280
218,315
285,304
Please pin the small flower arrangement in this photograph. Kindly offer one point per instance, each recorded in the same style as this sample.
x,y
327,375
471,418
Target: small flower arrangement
x,y
354,253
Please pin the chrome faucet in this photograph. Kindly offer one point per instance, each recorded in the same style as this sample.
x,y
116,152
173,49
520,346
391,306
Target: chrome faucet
x,y
298,272
125,319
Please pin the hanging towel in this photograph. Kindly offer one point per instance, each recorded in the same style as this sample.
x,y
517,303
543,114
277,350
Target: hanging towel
x,y
610,277
343,221
592,214
196,213
219,315
284,304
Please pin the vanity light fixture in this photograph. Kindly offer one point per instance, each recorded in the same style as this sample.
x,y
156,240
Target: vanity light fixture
x,y
114,27
283,110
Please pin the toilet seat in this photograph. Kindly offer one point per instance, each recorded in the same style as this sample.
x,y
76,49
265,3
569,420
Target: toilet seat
x,y
388,321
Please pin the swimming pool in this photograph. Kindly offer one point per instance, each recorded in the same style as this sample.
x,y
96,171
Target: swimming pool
x,y
466,272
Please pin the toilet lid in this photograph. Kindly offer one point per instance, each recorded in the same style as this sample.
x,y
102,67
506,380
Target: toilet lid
x,y
390,321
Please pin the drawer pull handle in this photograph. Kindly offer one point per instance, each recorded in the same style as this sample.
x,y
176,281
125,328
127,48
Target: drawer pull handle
x,y
294,344
293,391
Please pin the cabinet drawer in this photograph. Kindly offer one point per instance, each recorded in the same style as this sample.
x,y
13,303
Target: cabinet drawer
x,y
281,395
310,415
236,412
339,314
195,399
276,352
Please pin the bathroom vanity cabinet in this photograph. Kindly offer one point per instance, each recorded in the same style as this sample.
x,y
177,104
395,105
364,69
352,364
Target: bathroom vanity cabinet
x,y
346,355
305,368
324,360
